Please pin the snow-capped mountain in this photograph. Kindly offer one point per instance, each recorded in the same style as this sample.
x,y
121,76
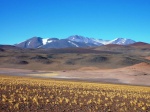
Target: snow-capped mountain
x,y
77,38
121,41
72,41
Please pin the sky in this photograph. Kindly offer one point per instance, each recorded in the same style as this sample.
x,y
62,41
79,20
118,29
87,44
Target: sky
x,y
100,19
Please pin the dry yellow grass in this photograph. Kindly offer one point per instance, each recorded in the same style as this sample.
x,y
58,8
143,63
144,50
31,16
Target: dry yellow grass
x,y
30,94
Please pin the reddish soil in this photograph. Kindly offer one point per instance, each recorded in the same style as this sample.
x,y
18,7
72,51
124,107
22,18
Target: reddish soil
x,y
148,58
138,74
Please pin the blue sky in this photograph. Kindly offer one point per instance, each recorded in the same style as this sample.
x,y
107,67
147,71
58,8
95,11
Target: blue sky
x,y
103,19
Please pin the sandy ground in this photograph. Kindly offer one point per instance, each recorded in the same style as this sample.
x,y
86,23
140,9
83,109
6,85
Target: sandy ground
x,y
148,58
138,74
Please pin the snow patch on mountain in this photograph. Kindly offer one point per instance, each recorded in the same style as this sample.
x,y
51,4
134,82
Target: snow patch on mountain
x,y
73,44
29,43
40,46
49,41
44,41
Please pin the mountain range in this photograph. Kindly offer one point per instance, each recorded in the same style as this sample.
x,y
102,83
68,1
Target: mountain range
x,y
71,41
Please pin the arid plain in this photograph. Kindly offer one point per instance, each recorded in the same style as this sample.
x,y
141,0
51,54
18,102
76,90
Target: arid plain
x,y
109,64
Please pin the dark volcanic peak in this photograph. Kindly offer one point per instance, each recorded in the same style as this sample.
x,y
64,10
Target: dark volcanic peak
x,y
33,42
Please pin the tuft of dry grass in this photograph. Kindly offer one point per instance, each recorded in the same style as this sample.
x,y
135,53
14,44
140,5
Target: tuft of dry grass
x,y
30,94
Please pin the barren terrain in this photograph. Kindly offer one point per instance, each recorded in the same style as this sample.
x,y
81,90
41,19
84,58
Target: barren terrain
x,y
138,74
109,64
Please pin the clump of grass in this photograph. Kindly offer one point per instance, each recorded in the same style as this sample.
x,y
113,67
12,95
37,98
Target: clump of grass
x,y
29,94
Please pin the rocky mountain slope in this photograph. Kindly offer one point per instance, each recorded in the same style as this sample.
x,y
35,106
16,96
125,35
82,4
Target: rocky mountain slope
x,y
72,41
